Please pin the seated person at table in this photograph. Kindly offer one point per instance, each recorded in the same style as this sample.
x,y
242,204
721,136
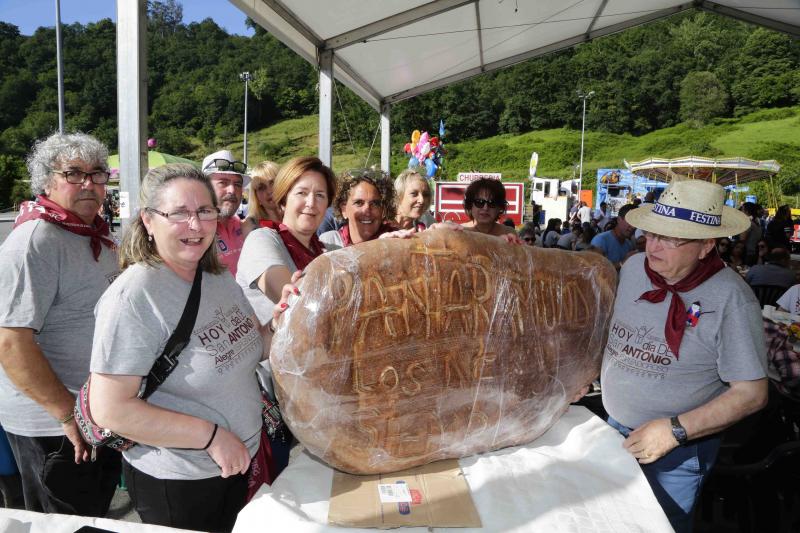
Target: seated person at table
x,y
567,242
484,202
616,243
365,201
775,272
552,232
790,300
686,355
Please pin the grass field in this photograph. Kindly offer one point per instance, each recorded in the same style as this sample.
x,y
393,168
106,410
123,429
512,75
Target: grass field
x,y
766,134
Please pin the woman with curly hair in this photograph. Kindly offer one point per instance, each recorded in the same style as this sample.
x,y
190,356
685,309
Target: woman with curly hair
x,y
365,200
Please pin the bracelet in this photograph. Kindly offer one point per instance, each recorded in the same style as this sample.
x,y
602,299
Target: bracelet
x,y
67,418
213,434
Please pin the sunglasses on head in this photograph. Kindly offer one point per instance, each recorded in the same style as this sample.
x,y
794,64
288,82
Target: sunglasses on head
x,y
224,164
480,203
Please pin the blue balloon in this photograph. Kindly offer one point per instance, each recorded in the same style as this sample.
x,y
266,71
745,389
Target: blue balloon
x,y
413,162
430,168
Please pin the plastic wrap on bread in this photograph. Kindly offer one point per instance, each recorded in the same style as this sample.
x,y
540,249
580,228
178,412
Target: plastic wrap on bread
x,y
399,352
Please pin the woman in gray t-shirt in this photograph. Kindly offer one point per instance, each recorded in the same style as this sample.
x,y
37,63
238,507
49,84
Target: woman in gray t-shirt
x,y
198,431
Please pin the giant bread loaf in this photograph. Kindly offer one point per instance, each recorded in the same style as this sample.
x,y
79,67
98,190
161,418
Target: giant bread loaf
x,y
402,352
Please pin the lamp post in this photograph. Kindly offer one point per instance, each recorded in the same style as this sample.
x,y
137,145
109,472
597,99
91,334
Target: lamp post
x,y
583,97
59,69
245,77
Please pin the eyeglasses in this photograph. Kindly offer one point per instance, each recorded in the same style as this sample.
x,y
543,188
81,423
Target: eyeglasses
x,y
225,165
480,203
77,177
667,242
204,214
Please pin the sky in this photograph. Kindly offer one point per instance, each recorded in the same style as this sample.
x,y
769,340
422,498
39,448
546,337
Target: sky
x,y
31,14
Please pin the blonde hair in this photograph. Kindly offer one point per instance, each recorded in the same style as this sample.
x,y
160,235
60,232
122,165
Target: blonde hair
x,y
261,173
403,180
291,172
136,246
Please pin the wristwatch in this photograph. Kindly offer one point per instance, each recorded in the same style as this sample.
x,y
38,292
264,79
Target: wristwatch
x,y
678,431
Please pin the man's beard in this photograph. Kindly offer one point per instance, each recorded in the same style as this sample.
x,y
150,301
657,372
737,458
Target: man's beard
x,y
228,210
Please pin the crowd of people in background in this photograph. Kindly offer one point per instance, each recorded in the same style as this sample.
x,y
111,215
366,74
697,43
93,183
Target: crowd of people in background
x,y
81,302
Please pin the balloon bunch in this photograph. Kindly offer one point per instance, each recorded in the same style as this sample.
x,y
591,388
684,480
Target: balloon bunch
x,y
425,151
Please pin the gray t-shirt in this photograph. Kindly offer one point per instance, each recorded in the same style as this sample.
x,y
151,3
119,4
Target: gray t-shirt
x,y
215,378
262,250
332,240
50,284
643,380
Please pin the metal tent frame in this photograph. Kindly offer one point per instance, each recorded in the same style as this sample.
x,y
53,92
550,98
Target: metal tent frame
x,y
390,50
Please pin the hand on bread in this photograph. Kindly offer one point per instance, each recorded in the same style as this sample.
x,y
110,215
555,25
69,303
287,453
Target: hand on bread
x,y
289,293
399,234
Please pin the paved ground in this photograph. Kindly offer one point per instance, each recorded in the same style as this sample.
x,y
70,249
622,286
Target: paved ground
x,y
6,223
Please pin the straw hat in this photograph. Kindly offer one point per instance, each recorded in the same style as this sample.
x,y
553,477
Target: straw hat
x,y
690,209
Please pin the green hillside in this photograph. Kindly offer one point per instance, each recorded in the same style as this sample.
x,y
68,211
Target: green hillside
x,y
768,134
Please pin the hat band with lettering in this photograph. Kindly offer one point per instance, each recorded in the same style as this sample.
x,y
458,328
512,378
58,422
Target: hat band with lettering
x,y
690,215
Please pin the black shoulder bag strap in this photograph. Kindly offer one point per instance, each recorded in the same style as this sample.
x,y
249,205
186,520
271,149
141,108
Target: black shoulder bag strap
x,y
168,360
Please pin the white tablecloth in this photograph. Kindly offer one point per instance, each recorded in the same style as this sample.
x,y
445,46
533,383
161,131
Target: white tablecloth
x,y
574,478
17,521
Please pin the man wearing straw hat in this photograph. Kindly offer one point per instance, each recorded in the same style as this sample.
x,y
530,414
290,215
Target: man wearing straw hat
x,y
685,356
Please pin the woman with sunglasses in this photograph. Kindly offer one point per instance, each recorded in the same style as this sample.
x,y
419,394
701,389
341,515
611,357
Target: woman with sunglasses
x,y
724,248
484,202
261,205
198,431
365,201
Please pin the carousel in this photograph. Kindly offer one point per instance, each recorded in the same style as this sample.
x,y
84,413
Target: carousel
x,y
729,172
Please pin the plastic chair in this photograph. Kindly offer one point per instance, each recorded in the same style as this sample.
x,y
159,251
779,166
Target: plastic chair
x,y
768,294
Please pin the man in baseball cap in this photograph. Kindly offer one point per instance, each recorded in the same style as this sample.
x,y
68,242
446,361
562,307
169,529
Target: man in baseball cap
x,y
228,178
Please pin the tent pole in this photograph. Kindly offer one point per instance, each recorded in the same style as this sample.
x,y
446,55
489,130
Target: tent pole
x,y
386,137
131,103
326,82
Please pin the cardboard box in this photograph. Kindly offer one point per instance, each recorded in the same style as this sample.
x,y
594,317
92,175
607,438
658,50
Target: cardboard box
x,y
440,497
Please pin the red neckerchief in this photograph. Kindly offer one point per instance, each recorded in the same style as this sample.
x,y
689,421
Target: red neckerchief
x,y
301,255
676,318
344,231
49,211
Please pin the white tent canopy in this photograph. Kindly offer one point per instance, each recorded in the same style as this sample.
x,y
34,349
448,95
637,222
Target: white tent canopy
x,y
390,50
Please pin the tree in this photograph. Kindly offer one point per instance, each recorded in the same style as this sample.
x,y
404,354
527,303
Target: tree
x,y
702,98
12,169
164,16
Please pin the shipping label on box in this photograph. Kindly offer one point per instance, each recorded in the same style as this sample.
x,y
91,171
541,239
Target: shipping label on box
x,y
433,495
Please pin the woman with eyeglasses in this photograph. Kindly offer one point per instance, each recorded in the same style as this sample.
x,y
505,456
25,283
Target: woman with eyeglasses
x,y
484,202
274,254
365,201
412,200
261,202
198,431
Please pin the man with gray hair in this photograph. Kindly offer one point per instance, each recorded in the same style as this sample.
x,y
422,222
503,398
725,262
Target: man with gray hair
x,y
57,261
228,179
